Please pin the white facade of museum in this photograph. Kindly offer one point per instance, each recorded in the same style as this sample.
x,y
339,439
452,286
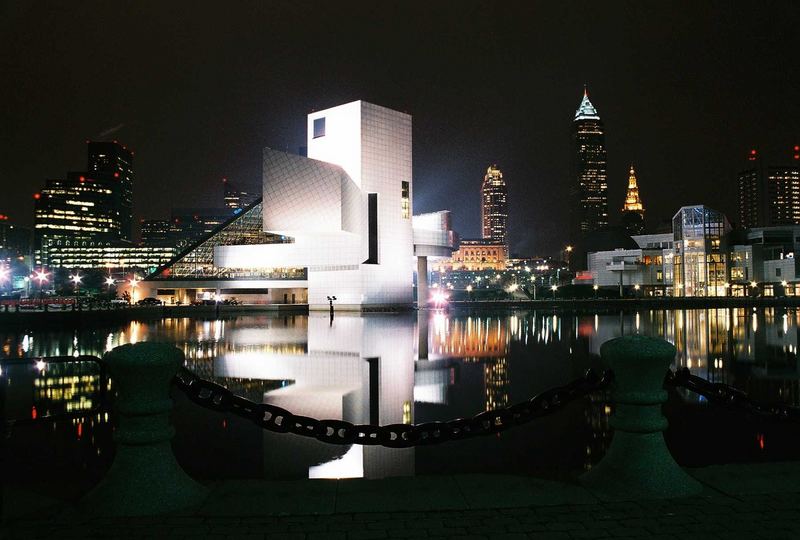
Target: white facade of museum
x,y
343,214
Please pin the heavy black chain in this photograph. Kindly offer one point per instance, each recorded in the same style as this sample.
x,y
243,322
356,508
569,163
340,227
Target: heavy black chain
x,y
218,398
730,397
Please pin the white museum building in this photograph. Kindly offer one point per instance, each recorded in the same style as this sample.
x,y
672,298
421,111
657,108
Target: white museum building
x,y
337,223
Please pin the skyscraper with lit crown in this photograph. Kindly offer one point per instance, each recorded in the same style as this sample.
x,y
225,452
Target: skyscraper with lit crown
x,y
633,210
494,207
589,190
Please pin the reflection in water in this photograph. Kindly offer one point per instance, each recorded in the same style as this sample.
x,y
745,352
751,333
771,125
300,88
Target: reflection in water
x,y
405,368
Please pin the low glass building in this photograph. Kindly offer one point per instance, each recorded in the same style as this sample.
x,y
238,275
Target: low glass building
x,y
700,262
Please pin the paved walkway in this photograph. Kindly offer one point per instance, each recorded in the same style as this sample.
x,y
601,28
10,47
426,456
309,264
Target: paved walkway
x,y
743,501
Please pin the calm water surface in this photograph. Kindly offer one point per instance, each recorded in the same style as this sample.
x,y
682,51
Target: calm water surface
x,y
393,369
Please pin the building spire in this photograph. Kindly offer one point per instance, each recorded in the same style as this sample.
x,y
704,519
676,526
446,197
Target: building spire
x,y
586,110
632,201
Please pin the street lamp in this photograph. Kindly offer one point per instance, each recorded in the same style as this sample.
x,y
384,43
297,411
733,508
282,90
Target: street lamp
x,y
41,276
554,288
595,288
636,288
133,283
109,281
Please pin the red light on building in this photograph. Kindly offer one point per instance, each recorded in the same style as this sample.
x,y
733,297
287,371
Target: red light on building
x,y
796,151
80,430
37,196
116,175
34,414
752,156
760,439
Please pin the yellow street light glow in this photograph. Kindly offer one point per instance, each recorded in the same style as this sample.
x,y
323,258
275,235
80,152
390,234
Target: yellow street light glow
x,y
637,287
554,287
595,287
109,281
753,284
784,283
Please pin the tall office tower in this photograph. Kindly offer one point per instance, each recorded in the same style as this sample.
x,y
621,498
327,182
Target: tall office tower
x,y
494,207
589,190
633,210
87,209
769,195
236,198
113,162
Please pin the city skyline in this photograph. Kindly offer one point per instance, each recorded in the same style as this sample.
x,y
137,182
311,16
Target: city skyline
x,y
663,105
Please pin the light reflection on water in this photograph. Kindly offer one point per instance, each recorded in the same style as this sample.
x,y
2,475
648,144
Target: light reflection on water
x,y
422,367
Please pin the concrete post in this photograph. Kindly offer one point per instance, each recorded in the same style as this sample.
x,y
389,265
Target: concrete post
x,y
145,478
422,282
638,464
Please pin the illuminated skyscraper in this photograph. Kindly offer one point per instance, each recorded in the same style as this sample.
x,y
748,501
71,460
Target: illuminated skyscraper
x,y
494,207
589,190
632,210
769,195
88,209
113,163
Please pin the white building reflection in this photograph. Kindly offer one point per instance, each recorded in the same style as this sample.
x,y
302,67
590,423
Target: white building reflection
x,y
357,369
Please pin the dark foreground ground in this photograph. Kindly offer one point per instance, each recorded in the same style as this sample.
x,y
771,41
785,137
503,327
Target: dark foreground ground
x,y
739,501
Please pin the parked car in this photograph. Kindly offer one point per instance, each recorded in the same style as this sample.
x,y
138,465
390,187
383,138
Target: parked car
x,y
149,301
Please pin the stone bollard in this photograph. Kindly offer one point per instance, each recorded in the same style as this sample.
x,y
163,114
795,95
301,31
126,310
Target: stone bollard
x,y
638,464
145,478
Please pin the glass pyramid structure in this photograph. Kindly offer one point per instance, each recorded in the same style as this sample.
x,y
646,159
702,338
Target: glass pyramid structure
x,y
196,262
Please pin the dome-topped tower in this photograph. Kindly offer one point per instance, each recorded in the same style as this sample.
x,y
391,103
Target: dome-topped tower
x,y
633,210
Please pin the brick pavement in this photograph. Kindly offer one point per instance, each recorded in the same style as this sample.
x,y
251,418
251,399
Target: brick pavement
x,y
773,517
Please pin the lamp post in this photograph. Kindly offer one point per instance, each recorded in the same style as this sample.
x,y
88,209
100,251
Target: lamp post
x,y
469,291
636,288
595,288
727,287
76,280
41,277
133,283
753,288
554,288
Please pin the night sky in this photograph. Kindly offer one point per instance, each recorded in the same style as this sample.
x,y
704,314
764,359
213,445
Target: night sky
x,y
198,89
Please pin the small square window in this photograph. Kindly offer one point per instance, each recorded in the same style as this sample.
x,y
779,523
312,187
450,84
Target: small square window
x,y
319,127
